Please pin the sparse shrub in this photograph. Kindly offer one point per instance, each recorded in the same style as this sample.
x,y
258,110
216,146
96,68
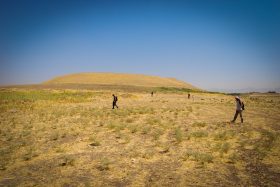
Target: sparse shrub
x,y
157,133
153,121
185,114
199,134
224,135
54,136
126,139
25,133
27,157
199,124
60,150
67,160
178,135
101,124
148,153
204,157
3,166
103,165
116,126
111,125
129,120
146,129
133,128
119,127
9,137
266,142
220,136
63,135
94,141
29,154
225,147
222,147
233,158
198,156
127,95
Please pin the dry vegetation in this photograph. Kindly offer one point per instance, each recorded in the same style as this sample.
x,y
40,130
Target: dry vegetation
x,y
120,79
74,138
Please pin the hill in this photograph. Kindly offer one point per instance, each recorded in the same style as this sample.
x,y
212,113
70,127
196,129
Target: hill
x,y
119,79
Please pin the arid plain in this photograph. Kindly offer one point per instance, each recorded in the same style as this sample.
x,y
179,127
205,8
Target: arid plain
x,y
70,137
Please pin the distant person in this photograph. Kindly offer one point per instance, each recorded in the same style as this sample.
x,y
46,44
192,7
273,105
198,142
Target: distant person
x,y
239,109
189,95
152,93
115,100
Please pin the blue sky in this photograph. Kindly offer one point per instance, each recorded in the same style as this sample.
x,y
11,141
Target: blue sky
x,y
215,45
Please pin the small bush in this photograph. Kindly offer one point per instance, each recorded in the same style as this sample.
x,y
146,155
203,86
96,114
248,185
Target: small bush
x,y
29,154
54,136
199,124
224,135
225,147
153,121
133,128
199,134
233,158
178,135
94,141
111,125
266,142
129,120
199,157
146,129
103,165
220,136
157,133
67,160
222,147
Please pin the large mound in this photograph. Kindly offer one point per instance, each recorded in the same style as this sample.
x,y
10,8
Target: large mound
x,y
119,79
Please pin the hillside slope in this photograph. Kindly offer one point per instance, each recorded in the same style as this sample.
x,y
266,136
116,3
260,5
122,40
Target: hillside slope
x,y
119,79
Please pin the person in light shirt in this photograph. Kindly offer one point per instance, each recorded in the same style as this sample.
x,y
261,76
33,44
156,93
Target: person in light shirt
x,y
239,109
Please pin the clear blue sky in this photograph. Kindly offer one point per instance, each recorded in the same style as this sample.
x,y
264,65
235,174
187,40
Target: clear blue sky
x,y
218,44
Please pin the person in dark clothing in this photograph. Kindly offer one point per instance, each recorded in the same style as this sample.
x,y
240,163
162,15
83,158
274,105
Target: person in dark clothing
x,y
115,99
152,93
189,95
239,108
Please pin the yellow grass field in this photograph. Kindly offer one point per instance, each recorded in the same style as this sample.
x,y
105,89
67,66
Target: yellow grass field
x,y
120,79
61,137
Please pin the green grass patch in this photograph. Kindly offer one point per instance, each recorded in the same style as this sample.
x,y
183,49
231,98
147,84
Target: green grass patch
x,y
224,135
198,156
178,135
35,95
222,148
199,134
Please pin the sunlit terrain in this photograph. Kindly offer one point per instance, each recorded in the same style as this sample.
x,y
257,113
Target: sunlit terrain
x,y
62,137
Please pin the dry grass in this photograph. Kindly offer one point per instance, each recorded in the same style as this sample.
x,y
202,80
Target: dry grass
x,y
119,79
70,137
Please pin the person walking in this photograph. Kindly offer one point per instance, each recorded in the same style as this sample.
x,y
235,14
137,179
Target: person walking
x,y
115,99
152,93
189,95
239,109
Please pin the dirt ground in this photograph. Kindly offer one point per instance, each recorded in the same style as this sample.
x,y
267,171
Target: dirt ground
x,y
53,137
